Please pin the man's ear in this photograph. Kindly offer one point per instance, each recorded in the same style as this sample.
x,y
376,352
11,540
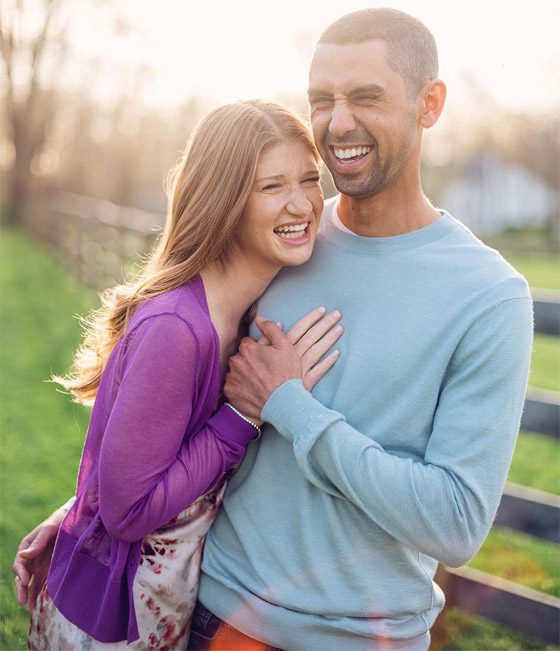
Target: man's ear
x,y
432,98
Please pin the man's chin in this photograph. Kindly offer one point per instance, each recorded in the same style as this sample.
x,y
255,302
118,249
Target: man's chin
x,y
354,189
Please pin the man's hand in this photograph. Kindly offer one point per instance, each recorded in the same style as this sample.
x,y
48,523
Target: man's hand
x,y
33,559
259,368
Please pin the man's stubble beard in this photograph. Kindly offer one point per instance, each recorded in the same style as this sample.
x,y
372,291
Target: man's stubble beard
x,y
381,176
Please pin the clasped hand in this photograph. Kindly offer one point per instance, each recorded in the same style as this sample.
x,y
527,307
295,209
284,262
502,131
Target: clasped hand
x,y
260,367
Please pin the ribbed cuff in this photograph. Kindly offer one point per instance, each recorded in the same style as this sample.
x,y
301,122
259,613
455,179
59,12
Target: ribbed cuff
x,y
292,410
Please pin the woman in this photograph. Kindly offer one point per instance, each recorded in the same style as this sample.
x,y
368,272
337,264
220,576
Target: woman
x,y
245,200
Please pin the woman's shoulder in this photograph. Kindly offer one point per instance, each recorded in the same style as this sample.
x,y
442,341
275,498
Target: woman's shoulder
x,y
186,304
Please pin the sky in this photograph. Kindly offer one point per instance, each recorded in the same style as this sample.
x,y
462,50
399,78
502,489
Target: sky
x,y
233,50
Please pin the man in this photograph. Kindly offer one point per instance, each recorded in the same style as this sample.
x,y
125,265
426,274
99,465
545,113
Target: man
x,y
332,527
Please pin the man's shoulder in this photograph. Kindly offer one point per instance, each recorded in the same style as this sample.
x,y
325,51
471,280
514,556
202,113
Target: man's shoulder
x,y
478,264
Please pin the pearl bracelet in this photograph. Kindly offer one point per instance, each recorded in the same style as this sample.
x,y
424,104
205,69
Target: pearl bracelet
x,y
247,420
68,505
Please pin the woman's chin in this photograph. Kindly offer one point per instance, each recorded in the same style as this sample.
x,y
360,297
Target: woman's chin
x,y
298,256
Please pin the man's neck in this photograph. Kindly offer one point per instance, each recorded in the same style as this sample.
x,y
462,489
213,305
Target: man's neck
x,y
392,212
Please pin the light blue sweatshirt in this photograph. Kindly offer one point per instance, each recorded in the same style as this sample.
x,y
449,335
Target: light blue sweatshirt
x,y
332,528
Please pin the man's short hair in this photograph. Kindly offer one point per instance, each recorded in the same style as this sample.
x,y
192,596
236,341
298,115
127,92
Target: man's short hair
x,y
412,51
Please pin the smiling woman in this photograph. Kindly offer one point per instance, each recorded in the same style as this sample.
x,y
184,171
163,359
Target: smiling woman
x,y
245,200
283,210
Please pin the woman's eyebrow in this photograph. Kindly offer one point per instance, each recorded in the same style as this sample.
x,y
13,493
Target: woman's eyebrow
x,y
276,177
273,177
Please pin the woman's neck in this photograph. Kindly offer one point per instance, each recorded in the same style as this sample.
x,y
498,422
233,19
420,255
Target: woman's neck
x,y
232,289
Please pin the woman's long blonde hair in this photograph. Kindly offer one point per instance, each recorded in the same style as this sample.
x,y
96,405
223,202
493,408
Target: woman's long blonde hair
x,y
207,190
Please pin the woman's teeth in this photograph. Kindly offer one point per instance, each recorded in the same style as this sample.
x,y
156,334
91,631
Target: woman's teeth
x,y
291,231
344,154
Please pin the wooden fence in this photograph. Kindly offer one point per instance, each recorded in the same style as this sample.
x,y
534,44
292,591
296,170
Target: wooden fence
x,y
99,242
522,509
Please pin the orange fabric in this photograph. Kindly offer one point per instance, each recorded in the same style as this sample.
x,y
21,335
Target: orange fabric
x,y
230,639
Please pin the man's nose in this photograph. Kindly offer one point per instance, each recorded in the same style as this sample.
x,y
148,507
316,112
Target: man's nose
x,y
342,119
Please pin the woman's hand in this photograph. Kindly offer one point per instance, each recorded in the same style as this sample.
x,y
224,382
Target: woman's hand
x,y
312,336
259,368
33,559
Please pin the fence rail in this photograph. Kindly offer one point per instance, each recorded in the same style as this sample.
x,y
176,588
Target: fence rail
x,y
507,603
547,311
98,241
542,412
530,511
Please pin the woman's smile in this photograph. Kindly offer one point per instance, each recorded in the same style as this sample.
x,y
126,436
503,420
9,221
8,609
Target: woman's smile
x,y
294,233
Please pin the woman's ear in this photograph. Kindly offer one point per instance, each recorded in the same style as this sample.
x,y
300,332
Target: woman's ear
x,y
432,101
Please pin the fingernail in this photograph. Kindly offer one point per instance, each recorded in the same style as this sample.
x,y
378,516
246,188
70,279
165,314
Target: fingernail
x,y
335,353
321,309
259,319
336,314
338,328
279,324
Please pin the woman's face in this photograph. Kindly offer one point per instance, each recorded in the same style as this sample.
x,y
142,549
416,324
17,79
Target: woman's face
x,y
282,213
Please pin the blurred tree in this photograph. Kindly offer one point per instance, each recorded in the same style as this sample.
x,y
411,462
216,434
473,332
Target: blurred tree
x,y
33,45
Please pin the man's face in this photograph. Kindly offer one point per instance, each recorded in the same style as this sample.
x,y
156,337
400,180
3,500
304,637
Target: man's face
x,y
364,124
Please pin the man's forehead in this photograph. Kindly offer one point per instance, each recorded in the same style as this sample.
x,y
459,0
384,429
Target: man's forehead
x,y
347,66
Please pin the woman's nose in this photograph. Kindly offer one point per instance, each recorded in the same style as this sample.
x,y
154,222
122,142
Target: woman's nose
x,y
299,203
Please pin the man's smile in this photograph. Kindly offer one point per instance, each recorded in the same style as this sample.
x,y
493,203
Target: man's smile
x,y
352,154
349,157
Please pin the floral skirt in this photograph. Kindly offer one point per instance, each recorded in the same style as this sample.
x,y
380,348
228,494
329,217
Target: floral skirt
x,y
165,589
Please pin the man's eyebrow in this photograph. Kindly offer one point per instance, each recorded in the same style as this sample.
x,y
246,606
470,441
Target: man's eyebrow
x,y
368,88
317,92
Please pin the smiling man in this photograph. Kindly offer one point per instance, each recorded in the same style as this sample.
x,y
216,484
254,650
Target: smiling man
x,y
333,526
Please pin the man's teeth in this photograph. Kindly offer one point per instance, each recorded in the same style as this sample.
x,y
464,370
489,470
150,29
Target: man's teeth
x,y
351,153
291,231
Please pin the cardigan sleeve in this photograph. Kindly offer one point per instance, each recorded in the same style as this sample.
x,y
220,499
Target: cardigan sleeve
x,y
442,505
149,470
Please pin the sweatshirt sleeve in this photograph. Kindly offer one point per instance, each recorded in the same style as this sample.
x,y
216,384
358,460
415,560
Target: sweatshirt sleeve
x,y
149,471
442,505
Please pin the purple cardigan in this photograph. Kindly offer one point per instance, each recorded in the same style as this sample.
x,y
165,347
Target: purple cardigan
x,y
155,444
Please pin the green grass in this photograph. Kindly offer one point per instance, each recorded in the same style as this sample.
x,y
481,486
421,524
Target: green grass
x,y
545,363
459,631
536,462
42,431
521,558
